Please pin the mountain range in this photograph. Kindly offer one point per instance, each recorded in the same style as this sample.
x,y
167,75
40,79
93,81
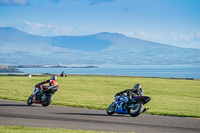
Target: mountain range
x,y
20,48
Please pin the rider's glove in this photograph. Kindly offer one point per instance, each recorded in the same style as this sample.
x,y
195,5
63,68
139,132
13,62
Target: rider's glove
x,y
120,93
37,85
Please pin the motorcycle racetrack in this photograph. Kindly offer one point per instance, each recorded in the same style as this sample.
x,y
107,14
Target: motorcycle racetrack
x,y
20,114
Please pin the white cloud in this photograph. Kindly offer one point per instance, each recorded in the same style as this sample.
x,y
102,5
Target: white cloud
x,y
191,40
63,30
46,30
142,35
182,37
186,40
36,25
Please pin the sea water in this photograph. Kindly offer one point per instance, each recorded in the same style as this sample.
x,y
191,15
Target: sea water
x,y
147,71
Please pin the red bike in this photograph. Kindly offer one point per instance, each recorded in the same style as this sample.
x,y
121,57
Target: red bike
x,y
43,97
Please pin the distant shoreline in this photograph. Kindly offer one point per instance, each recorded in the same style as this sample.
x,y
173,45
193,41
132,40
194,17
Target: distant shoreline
x,y
9,69
53,66
48,74
190,72
14,69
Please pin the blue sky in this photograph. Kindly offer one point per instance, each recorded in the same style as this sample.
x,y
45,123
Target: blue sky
x,y
175,22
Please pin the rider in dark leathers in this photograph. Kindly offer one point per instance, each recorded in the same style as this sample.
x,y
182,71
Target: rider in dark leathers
x,y
136,91
131,93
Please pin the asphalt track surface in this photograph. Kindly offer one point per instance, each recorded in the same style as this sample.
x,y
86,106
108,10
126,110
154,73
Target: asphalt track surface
x,y
19,113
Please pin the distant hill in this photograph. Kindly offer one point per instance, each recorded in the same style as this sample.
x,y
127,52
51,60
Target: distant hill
x,y
8,69
17,47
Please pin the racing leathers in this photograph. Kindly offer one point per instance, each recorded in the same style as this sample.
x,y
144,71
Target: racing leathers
x,y
41,87
131,93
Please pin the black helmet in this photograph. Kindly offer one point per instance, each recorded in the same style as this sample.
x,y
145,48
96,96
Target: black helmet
x,y
137,87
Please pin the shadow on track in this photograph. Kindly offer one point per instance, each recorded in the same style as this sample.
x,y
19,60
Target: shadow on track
x,y
89,114
18,105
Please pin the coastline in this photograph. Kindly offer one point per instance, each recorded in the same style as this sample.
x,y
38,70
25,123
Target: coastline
x,y
14,69
9,69
58,75
171,72
54,66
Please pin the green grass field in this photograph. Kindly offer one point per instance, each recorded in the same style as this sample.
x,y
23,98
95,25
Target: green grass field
x,y
25,129
177,97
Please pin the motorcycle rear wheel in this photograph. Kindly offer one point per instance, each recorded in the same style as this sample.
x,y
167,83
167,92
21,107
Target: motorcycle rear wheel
x,y
111,109
29,101
48,100
137,110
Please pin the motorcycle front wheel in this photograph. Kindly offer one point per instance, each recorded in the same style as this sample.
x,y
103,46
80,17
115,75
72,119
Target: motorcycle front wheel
x,y
136,110
29,101
48,100
111,109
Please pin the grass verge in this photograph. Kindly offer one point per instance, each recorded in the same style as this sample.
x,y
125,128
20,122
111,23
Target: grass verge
x,y
176,97
25,129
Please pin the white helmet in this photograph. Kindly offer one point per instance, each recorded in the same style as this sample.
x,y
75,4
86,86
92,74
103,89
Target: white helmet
x,y
53,77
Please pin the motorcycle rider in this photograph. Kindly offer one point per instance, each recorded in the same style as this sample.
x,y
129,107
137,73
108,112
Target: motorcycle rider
x,y
40,87
136,91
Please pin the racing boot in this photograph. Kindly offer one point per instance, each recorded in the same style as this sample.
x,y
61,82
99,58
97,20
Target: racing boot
x,y
145,109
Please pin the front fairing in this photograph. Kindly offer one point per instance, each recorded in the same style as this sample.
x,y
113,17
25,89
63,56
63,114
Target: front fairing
x,y
120,110
119,100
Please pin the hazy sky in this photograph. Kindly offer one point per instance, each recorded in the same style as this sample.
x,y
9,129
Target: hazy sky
x,y
175,22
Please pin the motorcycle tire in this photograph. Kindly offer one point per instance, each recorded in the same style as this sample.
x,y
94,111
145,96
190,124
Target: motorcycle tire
x,y
29,101
48,101
137,110
111,109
